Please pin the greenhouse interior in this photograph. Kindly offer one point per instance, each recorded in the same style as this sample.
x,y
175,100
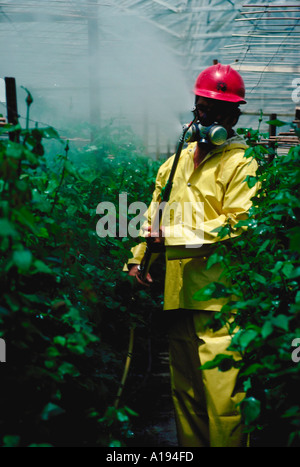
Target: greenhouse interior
x,y
116,331
135,62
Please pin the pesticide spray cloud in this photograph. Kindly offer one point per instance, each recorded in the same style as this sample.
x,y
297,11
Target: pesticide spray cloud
x,y
139,82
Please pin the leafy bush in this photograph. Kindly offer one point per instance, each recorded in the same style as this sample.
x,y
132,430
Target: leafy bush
x,y
65,307
263,265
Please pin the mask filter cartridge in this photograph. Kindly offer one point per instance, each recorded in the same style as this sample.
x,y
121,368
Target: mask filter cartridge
x,y
213,134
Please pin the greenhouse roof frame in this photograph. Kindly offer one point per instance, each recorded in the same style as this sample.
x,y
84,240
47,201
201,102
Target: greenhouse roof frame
x,y
259,40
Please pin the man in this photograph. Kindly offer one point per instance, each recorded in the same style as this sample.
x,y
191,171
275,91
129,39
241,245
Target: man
x,y
205,401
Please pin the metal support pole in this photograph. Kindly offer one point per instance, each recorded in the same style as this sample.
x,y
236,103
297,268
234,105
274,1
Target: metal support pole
x,y
272,132
11,106
94,81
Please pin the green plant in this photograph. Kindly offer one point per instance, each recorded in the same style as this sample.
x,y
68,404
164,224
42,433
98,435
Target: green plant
x,y
263,266
65,305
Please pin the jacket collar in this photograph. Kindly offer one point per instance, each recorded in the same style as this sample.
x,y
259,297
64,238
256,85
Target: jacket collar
x,y
235,142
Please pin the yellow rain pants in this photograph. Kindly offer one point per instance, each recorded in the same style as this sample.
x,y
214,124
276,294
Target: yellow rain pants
x,y
205,401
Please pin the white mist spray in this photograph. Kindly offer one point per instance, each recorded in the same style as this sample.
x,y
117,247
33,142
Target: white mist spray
x,y
140,81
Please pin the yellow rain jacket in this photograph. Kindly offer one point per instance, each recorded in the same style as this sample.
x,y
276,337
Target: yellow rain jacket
x,y
219,183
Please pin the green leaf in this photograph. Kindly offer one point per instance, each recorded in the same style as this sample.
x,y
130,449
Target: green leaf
x,y
43,233
246,223
122,416
264,246
7,229
251,181
285,197
130,411
294,235
249,152
215,258
247,304
222,361
49,133
14,150
212,290
277,122
26,218
61,340
252,370
53,352
281,321
259,278
293,411
41,267
288,269
115,444
223,231
51,410
267,329
68,369
243,338
11,441
42,445
250,408
70,169
22,259
247,384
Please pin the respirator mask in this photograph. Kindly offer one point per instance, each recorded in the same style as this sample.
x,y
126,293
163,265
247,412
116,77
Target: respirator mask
x,y
204,129
214,134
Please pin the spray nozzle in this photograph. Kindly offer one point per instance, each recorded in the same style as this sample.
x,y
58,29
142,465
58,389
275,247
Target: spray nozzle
x,y
213,134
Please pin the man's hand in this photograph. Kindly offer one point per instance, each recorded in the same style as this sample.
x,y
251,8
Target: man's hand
x,y
134,271
154,236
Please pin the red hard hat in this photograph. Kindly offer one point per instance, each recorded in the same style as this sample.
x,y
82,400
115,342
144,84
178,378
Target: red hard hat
x,y
221,82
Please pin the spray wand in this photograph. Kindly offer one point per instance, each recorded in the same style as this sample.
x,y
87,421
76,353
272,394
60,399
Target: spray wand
x,y
151,246
215,135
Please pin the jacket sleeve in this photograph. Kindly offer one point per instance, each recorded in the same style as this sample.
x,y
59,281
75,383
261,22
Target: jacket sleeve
x,y
235,207
138,251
